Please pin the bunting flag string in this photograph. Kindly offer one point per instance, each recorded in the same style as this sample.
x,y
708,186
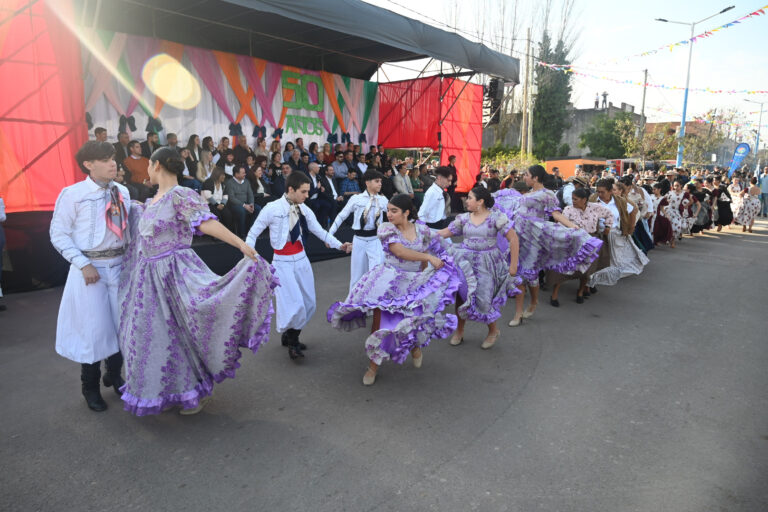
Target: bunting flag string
x,y
571,70
706,34
672,46
708,118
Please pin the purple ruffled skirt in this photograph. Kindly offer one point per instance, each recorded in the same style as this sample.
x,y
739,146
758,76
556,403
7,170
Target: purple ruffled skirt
x,y
183,326
486,285
546,245
411,305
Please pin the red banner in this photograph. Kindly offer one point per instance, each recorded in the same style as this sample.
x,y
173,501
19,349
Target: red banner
x,y
462,130
410,113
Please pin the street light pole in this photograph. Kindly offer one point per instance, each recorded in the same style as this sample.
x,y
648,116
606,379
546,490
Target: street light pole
x,y
757,141
680,140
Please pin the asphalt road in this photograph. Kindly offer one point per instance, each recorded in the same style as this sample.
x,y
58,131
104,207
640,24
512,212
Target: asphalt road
x,y
651,396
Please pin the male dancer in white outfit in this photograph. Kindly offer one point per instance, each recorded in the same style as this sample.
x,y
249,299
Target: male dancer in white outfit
x,y
367,210
90,229
289,220
435,206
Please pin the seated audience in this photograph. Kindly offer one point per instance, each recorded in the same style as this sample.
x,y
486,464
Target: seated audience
x,y
240,201
213,192
205,166
261,189
190,170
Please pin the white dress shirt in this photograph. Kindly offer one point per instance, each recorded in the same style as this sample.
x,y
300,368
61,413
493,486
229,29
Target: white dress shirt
x,y
648,200
79,221
276,217
568,194
615,211
333,187
356,207
218,193
315,184
433,207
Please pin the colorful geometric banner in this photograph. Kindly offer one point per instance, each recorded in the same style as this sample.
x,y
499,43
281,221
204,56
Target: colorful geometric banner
x,y
189,90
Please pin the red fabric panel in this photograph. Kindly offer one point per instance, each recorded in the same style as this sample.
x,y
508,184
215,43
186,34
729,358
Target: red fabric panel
x,y
462,130
409,113
42,105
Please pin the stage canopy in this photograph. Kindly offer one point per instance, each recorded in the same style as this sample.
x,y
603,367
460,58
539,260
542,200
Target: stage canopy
x,y
347,37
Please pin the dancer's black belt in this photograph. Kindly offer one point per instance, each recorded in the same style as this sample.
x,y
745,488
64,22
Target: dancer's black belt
x,y
365,232
438,225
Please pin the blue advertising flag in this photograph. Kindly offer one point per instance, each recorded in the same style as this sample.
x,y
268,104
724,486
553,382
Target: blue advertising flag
x,y
742,150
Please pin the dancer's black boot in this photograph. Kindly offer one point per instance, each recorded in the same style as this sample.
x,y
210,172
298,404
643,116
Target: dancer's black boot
x,y
113,377
292,342
89,376
296,333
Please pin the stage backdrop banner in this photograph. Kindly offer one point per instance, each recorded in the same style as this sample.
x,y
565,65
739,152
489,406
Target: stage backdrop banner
x,y
138,84
42,119
462,131
410,115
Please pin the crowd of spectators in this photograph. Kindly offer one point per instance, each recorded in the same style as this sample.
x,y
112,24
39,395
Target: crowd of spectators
x,y
237,180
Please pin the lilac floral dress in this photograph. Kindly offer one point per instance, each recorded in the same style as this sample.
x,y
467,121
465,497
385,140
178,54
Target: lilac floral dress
x,y
484,265
411,300
546,245
182,326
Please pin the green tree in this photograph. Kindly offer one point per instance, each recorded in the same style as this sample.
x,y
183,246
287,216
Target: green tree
x,y
550,104
705,139
604,137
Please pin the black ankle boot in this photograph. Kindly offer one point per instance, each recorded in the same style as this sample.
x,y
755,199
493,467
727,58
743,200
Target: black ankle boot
x,y
113,377
299,344
291,340
89,377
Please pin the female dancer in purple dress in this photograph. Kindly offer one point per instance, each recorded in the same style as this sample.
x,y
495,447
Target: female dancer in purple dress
x,y
407,298
182,326
546,245
489,273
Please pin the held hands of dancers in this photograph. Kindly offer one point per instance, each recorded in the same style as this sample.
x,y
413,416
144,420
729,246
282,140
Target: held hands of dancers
x,y
346,247
90,274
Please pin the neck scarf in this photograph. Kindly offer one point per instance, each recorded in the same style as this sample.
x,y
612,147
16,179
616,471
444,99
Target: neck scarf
x,y
373,203
115,211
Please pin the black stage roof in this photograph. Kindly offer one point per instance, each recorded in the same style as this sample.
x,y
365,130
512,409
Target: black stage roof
x,y
348,37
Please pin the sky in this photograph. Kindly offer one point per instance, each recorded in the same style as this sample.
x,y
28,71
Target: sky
x,y
608,32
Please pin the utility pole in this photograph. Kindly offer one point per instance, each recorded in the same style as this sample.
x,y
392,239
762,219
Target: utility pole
x,y
681,137
757,141
642,120
524,110
529,138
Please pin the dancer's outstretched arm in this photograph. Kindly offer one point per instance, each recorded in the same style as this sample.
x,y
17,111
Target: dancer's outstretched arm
x,y
217,230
